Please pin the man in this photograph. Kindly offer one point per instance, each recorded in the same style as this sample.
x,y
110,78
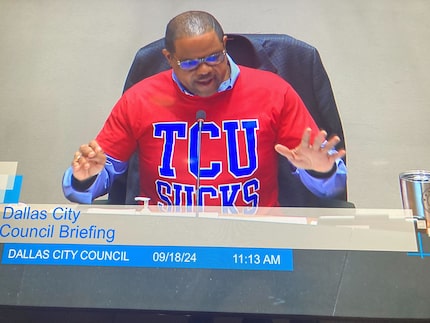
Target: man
x,y
249,117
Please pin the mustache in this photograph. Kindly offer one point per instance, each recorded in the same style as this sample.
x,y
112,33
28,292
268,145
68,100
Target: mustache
x,y
205,77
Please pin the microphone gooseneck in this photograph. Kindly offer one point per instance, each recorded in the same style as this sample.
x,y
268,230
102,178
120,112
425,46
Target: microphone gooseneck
x,y
200,117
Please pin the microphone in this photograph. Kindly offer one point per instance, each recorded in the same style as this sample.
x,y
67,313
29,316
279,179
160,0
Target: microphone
x,y
200,117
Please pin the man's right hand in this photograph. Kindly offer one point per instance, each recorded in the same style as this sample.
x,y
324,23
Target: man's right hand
x,y
88,161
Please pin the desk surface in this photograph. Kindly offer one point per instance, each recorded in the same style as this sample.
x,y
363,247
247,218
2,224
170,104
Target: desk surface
x,y
324,283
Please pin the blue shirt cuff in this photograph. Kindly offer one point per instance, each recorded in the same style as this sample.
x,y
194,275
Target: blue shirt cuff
x,y
325,187
101,185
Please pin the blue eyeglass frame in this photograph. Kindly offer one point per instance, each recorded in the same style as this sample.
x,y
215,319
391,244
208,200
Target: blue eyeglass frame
x,y
212,60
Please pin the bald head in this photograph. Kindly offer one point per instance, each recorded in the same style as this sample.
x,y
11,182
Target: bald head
x,y
189,24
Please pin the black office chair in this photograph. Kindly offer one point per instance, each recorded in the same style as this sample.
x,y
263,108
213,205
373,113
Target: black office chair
x,y
297,62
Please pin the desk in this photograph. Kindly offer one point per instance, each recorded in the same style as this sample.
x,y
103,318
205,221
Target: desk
x,y
324,283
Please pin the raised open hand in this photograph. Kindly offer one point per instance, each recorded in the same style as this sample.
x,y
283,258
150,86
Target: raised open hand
x,y
318,156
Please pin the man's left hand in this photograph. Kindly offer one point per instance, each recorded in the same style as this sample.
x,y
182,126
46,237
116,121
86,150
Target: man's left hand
x,y
318,156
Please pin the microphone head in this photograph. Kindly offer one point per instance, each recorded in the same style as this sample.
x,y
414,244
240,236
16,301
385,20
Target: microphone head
x,y
200,115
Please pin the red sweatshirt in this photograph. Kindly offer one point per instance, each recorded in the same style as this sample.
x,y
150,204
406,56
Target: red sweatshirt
x,y
242,126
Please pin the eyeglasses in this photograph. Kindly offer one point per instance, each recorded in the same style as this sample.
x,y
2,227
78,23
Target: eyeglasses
x,y
212,60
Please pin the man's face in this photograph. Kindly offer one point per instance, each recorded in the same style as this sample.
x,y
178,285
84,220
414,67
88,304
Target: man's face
x,y
205,79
